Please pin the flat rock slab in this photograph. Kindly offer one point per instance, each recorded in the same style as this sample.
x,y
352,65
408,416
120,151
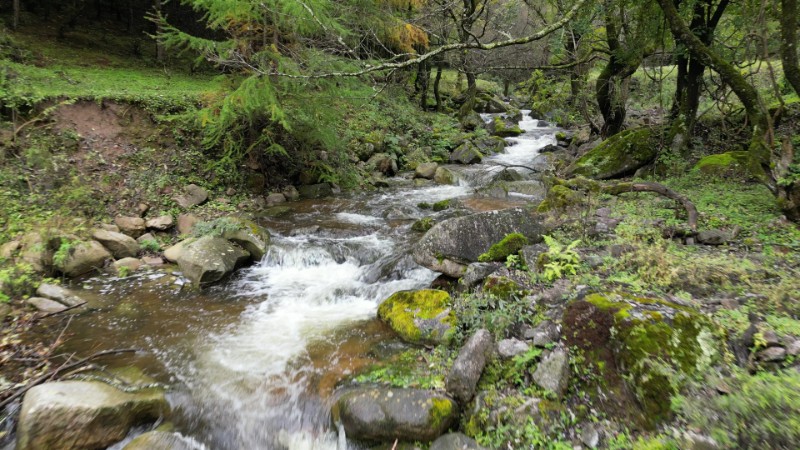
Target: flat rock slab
x,y
120,245
60,294
46,305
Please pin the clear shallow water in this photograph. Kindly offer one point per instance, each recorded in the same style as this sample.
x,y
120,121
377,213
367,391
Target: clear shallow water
x,y
252,363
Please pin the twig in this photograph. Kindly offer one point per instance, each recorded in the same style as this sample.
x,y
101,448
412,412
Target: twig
x,y
59,312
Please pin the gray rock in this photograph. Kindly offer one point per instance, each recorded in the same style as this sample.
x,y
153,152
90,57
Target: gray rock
x,y
46,305
477,272
772,354
275,198
455,441
132,264
453,244
320,190
544,334
209,259
590,436
160,223
59,294
468,366
145,237
120,245
509,348
186,223
291,193
552,373
132,226
426,170
193,195
153,261
173,253
714,237
386,414
251,237
445,176
109,227
83,415
691,440
530,254
793,348
84,257
35,252
162,440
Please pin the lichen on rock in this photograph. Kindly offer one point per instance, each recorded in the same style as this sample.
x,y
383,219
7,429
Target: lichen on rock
x,y
420,317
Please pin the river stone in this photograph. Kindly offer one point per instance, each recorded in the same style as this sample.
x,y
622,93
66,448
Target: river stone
x,y
372,413
209,259
83,415
275,198
193,195
426,170
291,193
477,272
509,348
160,223
443,175
455,441
132,226
466,153
173,253
84,257
186,223
468,366
313,191
453,244
46,305
250,236
552,373
60,294
161,440
420,317
132,264
120,245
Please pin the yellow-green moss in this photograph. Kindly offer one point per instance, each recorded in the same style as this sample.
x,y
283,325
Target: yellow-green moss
x,y
617,155
422,225
731,165
509,245
501,287
559,197
403,309
441,410
501,128
441,205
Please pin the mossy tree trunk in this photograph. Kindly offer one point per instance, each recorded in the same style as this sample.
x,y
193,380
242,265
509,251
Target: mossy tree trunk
x,y
436,82
791,68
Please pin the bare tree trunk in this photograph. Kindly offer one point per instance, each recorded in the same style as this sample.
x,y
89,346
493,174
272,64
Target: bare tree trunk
x,y
791,69
15,20
436,93
160,53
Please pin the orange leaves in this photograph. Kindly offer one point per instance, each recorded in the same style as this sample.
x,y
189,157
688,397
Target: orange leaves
x,y
408,38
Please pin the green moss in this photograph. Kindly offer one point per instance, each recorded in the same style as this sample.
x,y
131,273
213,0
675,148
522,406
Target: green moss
x,y
441,205
561,136
731,165
501,128
509,245
501,287
441,410
423,225
617,155
558,198
407,311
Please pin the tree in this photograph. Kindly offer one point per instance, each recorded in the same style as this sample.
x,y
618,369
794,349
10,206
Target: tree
x,y
791,69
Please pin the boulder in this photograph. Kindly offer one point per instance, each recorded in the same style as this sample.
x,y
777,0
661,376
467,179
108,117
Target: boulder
x,y
426,170
372,413
312,191
250,236
109,227
552,373
453,244
504,127
160,223
35,252
468,366
46,305
466,153
120,245
131,264
186,223
291,193
420,317
714,237
193,195
60,294
383,163
472,121
275,198
209,259
735,165
84,257
477,272
174,253
444,175
489,145
83,415
617,156
509,348
162,440
153,261
455,441
132,226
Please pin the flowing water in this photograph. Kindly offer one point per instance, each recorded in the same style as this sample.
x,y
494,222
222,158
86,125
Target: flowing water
x,y
252,363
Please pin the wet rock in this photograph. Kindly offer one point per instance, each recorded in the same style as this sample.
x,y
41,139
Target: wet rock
x,y
420,317
120,245
544,334
489,145
275,211
477,272
772,354
423,225
193,195
186,223
502,127
312,191
275,198
83,415
46,305
59,294
552,373
453,244
388,414
509,348
160,223
468,366
209,259
445,176
426,170
466,153
161,440
84,257
400,212
132,226
131,264
250,236
455,441
714,237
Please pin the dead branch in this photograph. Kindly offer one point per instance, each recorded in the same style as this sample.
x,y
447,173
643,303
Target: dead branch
x,y
622,188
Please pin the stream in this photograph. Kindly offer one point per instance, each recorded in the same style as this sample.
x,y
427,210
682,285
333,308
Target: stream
x,y
252,363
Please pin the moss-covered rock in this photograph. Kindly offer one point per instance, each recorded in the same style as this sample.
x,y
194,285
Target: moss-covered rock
x,y
560,197
739,165
420,317
504,128
466,153
423,225
501,287
509,245
441,205
617,156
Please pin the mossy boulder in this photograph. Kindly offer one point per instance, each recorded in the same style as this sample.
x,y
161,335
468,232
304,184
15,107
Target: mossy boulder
x,y
466,153
420,317
504,127
501,286
560,197
738,165
617,156
654,345
509,245
81,258
423,225
250,236
445,176
386,414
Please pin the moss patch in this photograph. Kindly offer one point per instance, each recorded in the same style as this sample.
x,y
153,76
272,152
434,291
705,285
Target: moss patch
x,y
509,245
504,129
423,225
617,156
559,197
441,205
420,317
440,412
737,165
